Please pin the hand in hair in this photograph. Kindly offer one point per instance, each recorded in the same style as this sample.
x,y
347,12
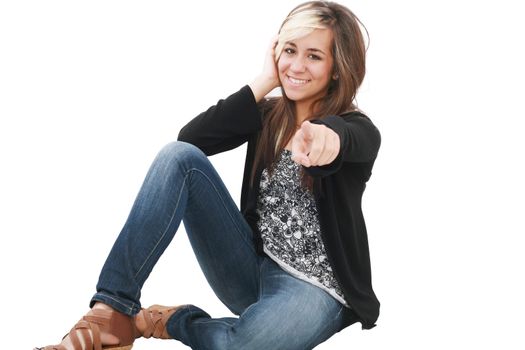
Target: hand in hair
x,y
268,79
315,145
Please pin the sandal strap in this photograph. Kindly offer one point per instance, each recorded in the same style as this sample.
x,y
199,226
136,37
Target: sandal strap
x,y
85,335
156,318
88,330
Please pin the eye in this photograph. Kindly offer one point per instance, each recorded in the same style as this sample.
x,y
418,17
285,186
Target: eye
x,y
289,51
314,57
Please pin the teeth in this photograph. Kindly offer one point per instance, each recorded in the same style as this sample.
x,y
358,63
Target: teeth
x,y
297,81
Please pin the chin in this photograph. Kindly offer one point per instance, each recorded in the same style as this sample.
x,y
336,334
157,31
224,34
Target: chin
x,y
294,96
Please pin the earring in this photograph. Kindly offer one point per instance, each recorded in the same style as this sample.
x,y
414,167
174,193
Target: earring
x,y
335,76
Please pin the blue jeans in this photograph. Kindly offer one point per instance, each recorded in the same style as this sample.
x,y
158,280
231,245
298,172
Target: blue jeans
x,y
275,310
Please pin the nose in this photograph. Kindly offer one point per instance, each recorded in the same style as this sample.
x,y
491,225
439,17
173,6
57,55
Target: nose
x,y
298,65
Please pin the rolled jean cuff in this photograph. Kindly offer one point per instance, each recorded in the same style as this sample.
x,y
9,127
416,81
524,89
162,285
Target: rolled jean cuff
x,y
179,323
117,304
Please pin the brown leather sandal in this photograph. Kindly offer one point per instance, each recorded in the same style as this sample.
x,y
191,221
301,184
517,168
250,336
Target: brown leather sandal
x,y
155,318
87,331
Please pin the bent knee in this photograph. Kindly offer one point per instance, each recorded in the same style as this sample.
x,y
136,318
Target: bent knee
x,y
180,150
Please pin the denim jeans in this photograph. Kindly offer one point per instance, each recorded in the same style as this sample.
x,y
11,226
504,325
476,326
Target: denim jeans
x,y
275,310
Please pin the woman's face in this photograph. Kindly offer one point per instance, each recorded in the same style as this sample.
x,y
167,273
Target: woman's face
x,y
305,66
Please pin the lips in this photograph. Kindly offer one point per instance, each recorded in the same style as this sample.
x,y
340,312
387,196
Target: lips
x,y
297,82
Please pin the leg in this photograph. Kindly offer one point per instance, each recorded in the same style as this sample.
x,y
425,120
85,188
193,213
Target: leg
x,y
182,183
290,315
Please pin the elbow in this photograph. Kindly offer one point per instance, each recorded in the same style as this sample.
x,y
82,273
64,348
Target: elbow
x,y
375,138
365,147
183,135
372,149
188,136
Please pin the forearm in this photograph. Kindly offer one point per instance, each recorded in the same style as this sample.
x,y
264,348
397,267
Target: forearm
x,y
261,86
225,125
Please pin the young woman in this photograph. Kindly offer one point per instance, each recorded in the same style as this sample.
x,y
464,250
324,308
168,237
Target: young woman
x,y
293,263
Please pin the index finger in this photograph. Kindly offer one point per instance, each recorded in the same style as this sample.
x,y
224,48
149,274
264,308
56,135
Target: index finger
x,y
299,149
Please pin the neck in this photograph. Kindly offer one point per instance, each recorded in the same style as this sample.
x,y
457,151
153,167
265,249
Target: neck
x,y
302,112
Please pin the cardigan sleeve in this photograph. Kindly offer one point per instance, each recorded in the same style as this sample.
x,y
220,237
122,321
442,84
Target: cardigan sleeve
x,y
225,125
360,141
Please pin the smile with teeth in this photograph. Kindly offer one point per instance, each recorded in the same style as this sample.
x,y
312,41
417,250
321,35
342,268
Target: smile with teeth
x,y
297,81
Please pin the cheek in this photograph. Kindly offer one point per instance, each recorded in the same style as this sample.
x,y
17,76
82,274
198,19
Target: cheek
x,y
323,73
280,66
283,64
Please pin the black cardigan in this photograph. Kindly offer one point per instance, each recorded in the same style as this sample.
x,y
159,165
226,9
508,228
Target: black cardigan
x,y
338,187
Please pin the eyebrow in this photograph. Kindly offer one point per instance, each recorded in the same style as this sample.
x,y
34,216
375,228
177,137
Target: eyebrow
x,y
313,49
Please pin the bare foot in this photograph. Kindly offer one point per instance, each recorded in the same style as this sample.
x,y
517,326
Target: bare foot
x,y
140,322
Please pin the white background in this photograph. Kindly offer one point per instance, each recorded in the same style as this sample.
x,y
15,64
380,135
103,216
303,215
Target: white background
x,y
90,91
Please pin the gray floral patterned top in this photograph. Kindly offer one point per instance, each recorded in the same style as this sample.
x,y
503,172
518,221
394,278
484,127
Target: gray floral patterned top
x,y
289,226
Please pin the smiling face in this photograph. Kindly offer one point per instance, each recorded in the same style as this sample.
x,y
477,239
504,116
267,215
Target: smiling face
x,y
305,67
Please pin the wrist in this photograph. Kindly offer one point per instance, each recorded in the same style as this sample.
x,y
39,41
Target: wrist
x,y
262,85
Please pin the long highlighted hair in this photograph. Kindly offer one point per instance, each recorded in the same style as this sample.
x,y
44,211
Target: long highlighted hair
x,y
348,52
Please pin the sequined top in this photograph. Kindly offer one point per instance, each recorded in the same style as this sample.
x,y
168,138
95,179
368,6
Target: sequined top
x,y
289,226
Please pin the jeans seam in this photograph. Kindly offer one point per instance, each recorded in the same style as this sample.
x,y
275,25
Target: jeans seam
x,y
130,308
342,307
188,172
166,230
214,321
261,287
239,231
